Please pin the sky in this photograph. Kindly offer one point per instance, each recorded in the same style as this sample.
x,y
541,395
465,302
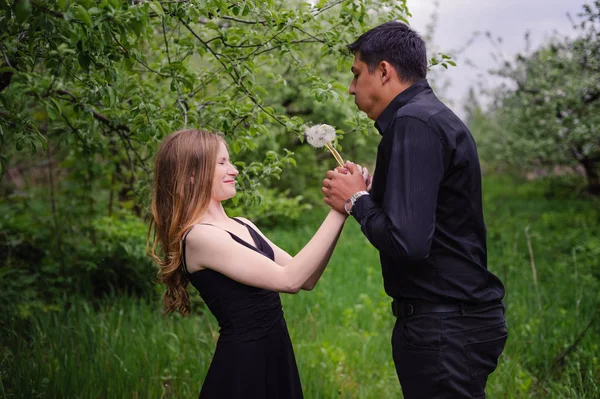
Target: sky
x,y
457,20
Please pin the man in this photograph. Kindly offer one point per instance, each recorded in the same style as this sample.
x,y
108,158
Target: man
x,y
424,215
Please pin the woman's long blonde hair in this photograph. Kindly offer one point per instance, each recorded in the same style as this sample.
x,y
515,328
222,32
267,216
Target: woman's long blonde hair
x,y
183,178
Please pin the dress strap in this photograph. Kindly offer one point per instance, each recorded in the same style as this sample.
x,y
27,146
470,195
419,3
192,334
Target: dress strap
x,y
253,232
240,222
262,245
239,240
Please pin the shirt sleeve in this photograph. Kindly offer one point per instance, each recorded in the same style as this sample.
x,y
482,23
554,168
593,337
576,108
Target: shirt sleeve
x,y
402,226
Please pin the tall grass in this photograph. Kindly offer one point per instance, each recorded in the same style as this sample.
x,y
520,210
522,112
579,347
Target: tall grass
x,y
341,330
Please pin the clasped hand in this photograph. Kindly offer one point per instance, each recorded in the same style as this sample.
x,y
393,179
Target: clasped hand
x,y
341,183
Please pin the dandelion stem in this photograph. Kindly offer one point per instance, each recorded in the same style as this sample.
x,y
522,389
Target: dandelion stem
x,y
336,154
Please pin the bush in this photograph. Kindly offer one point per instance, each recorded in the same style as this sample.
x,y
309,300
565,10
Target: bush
x,y
43,264
271,208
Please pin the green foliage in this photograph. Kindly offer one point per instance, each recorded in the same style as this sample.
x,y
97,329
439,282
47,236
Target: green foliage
x,y
270,207
111,78
45,263
550,113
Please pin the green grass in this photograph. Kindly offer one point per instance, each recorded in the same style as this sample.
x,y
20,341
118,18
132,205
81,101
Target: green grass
x,y
341,330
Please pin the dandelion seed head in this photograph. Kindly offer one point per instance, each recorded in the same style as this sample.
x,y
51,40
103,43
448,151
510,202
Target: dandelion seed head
x,y
319,135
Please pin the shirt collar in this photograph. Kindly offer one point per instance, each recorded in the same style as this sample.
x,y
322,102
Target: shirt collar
x,y
387,116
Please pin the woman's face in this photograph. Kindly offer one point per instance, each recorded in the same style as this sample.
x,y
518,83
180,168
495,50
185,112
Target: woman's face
x,y
224,180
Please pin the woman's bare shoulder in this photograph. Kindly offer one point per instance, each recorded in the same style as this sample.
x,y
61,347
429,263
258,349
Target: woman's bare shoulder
x,y
204,236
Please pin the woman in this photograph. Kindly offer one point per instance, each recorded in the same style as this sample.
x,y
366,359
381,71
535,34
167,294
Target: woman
x,y
236,269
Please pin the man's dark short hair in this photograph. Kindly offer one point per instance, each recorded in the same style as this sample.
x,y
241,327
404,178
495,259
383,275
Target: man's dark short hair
x,y
397,44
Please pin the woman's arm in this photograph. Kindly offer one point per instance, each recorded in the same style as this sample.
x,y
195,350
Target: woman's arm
x,y
213,248
282,257
314,278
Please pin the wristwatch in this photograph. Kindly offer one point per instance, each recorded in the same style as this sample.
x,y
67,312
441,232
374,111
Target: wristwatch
x,y
349,204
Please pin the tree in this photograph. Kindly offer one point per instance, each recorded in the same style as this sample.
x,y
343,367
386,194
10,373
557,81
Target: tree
x,y
88,88
551,114
99,83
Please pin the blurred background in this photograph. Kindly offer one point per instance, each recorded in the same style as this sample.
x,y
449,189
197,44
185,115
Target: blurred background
x,y
89,88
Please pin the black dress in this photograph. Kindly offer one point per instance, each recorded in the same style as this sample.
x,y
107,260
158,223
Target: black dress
x,y
254,356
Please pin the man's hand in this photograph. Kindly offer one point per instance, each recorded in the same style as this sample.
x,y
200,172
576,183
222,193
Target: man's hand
x,y
365,174
338,187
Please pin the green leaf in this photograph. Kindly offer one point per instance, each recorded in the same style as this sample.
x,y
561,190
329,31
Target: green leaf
x,y
82,15
212,25
23,10
42,140
112,98
157,8
64,4
261,90
56,105
51,111
236,146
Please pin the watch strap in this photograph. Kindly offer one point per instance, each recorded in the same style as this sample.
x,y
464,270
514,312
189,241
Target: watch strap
x,y
349,204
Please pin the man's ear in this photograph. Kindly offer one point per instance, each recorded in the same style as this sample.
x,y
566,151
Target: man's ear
x,y
386,70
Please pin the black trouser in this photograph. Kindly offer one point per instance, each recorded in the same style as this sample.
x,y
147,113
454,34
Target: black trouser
x,y
449,354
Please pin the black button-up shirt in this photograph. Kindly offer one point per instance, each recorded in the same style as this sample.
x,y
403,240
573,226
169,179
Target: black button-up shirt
x,y
424,214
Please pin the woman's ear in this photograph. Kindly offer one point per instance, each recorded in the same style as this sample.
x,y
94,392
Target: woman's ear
x,y
192,178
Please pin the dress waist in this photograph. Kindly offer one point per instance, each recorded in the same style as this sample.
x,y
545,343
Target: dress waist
x,y
249,329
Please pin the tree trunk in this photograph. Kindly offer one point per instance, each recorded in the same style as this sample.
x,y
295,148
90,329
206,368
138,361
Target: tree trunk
x,y
592,175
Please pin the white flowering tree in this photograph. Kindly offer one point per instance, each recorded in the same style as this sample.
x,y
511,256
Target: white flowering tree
x,y
551,114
